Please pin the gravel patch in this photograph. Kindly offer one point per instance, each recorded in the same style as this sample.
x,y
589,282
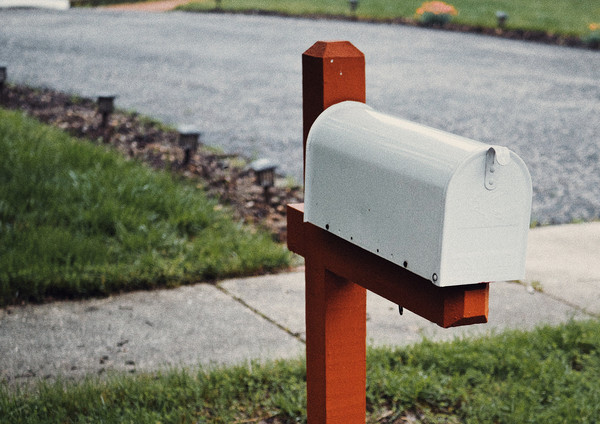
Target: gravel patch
x,y
238,78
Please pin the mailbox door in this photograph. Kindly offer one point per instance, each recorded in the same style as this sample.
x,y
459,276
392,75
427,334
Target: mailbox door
x,y
485,229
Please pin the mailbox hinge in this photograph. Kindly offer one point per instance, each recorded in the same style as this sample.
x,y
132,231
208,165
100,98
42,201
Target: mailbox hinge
x,y
496,156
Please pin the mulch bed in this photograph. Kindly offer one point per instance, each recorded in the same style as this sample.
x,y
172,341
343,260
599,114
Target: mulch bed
x,y
225,176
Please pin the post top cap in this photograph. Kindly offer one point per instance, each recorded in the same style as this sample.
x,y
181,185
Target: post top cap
x,y
327,49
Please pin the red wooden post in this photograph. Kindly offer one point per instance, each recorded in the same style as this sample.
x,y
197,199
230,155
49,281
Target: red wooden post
x,y
338,272
332,72
335,307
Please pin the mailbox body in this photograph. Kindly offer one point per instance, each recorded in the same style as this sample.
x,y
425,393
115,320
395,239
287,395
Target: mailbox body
x,y
452,210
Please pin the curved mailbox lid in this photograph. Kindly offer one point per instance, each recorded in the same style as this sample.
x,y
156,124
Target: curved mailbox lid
x,y
360,131
381,183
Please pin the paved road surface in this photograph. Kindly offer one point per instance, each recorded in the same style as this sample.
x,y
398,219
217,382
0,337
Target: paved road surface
x,y
238,78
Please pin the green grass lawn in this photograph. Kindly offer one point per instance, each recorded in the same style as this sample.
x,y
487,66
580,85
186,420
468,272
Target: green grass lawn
x,y
550,375
94,3
566,17
78,220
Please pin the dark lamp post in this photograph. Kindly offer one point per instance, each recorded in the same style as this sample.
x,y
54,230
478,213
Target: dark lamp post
x,y
106,106
264,169
501,17
2,74
188,141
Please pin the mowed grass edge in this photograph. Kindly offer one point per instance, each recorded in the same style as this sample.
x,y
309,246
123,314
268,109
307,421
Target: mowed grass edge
x,y
79,220
549,375
564,17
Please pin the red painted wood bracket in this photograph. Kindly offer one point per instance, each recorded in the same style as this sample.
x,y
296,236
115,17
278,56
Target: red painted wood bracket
x,y
445,306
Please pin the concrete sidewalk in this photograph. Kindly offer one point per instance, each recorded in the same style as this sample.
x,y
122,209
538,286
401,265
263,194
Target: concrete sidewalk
x,y
263,317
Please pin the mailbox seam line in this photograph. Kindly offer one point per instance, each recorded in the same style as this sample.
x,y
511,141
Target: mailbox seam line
x,y
260,314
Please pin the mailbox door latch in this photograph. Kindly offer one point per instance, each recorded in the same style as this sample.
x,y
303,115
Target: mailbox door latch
x,y
496,156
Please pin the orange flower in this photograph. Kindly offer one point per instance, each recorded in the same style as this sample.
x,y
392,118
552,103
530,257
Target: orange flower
x,y
437,8
594,27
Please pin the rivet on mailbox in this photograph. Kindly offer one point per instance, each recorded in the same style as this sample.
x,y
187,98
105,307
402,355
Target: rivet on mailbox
x,y
455,209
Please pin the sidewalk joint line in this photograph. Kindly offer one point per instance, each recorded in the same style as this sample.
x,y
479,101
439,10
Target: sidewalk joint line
x,y
571,305
260,314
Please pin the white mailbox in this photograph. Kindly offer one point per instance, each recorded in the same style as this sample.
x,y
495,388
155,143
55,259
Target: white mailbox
x,y
450,209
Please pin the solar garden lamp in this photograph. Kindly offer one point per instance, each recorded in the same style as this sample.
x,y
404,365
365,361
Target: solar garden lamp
x,y
353,5
501,17
106,106
264,169
3,75
188,141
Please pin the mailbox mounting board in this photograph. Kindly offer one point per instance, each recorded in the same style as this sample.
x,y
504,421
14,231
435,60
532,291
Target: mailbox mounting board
x,y
450,209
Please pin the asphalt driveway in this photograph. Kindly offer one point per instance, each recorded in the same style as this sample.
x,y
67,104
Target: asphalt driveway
x,y
238,78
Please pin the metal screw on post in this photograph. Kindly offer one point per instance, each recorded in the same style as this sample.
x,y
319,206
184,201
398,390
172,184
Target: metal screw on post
x,y
188,141
3,75
501,17
106,106
264,169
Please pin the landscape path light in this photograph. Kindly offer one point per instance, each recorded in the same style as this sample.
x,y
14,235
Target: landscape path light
x,y
501,17
3,75
264,169
353,5
106,106
188,141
